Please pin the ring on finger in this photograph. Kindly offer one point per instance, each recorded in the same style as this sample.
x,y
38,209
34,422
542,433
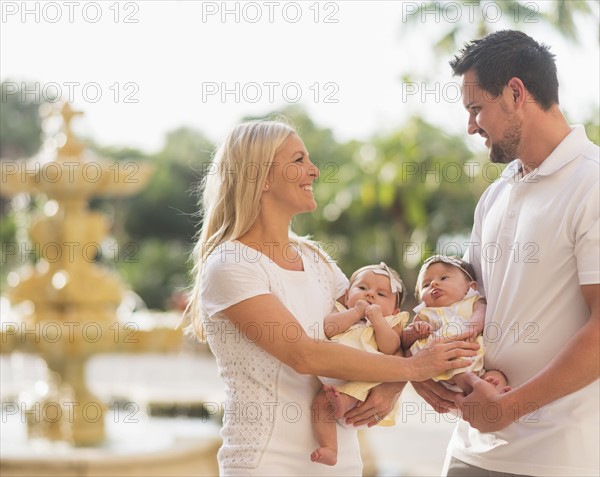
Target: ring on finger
x,y
377,418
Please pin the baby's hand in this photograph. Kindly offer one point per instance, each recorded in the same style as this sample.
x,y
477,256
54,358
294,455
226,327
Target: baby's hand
x,y
417,330
373,312
361,306
421,329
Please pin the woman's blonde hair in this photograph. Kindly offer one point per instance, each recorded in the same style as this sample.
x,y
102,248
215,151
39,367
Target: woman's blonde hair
x,y
230,195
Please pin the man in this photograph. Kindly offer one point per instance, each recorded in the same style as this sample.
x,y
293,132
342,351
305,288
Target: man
x,y
535,249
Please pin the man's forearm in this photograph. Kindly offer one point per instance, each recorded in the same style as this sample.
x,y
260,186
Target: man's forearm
x,y
576,366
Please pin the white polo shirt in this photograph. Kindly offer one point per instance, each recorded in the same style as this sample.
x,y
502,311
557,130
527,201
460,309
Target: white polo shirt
x,y
534,243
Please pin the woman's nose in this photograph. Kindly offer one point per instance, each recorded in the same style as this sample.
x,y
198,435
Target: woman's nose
x,y
314,170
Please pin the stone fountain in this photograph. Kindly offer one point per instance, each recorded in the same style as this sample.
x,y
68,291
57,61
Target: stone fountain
x,y
68,301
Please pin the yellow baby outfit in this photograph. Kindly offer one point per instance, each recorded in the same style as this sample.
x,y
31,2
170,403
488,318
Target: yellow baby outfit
x,y
450,321
361,336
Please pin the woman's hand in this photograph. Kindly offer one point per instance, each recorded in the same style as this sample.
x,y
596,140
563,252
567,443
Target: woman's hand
x,y
379,403
443,354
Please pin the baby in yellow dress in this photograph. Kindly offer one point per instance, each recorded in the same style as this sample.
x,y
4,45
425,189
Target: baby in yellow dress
x,y
372,322
450,305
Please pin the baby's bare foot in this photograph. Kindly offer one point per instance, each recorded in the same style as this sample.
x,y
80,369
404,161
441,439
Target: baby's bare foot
x,y
340,402
492,380
498,380
324,455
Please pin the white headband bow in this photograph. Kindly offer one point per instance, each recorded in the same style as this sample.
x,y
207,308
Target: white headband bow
x,y
395,284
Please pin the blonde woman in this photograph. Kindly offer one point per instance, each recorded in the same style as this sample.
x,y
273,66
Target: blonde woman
x,y
259,299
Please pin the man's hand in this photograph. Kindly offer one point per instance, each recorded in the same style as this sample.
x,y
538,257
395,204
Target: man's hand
x,y
486,409
380,402
436,395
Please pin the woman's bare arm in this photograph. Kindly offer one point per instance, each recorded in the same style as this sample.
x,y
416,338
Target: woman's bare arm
x,y
267,322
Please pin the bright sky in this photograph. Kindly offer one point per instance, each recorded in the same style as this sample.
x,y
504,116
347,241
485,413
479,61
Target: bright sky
x,y
139,69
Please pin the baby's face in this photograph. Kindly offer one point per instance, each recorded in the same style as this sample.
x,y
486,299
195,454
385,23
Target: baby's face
x,y
375,289
443,285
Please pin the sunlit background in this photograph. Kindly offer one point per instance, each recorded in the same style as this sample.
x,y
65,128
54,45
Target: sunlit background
x,y
366,83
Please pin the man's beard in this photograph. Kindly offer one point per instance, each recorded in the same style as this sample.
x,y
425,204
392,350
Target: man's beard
x,y
505,151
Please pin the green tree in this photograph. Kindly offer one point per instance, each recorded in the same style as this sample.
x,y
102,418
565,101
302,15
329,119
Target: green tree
x,y
156,227
398,198
166,208
20,138
20,123
489,15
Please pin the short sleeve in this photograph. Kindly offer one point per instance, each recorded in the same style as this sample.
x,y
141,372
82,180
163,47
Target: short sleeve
x,y
340,281
587,241
229,278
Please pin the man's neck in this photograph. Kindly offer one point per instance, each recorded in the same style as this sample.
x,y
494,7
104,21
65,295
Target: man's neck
x,y
544,132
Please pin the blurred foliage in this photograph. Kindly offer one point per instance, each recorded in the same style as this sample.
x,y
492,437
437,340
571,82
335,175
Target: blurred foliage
x,y
397,198
592,128
491,15
20,123
158,225
20,137
156,269
179,167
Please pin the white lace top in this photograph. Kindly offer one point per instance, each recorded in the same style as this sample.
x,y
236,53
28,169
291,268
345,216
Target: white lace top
x,y
267,421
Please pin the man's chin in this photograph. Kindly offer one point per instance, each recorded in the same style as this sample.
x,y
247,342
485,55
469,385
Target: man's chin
x,y
499,158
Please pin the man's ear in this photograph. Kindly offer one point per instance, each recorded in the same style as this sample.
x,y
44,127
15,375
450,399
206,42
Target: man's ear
x,y
517,89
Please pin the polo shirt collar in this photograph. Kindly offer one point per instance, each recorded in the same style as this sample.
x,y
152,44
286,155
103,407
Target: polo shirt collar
x,y
512,170
568,149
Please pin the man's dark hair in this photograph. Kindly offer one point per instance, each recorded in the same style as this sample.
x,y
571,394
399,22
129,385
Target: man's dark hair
x,y
505,54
